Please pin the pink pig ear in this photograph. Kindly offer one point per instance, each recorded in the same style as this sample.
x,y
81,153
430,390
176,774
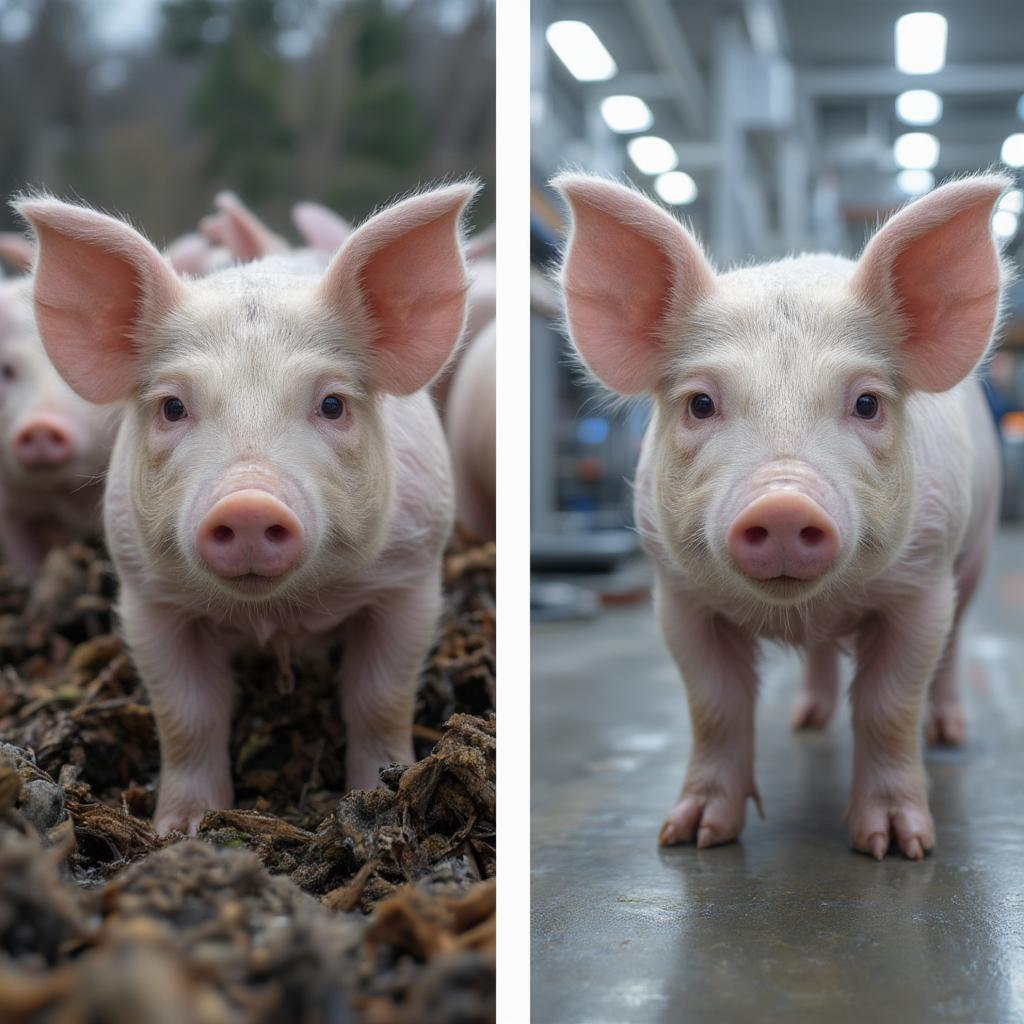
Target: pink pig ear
x,y
320,227
16,250
629,268
237,228
935,267
401,278
97,283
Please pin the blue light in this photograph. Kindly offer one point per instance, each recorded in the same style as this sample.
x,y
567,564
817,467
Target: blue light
x,y
593,430
1020,108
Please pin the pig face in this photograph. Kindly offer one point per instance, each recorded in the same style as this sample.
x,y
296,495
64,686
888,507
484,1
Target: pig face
x,y
780,452
257,440
50,438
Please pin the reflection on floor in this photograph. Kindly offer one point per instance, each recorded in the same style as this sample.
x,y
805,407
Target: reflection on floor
x,y
788,925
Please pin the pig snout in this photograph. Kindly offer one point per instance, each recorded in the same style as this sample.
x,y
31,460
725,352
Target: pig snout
x,y
44,441
249,532
783,534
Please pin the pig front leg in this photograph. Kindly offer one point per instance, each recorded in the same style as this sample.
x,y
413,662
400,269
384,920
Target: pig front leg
x,y
717,663
186,670
817,702
385,646
898,653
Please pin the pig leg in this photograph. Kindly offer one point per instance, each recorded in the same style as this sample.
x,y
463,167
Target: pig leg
x,y
817,703
187,674
384,651
23,546
897,656
945,723
718,666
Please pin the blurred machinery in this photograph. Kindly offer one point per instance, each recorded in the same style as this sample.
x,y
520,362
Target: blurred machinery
x,y
772,126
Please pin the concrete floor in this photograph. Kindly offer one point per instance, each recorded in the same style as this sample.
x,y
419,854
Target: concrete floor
x,y
789,924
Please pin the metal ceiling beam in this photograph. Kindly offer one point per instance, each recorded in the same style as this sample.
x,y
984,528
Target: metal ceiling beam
x,y
953,80
674,60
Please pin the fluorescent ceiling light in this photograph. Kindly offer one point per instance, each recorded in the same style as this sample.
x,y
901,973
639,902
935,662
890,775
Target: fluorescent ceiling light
x,y
1012,152
1012,201
921,43
917,151
676,188
580,50
915,183
919,106
1004,224
626,114
652,155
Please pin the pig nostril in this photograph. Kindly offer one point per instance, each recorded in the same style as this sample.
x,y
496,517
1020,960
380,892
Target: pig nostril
x,y
755,535
277,533
812,536
56,438
223,534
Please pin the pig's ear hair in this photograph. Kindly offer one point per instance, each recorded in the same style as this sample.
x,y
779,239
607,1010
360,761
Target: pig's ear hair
x,y
237,228
934,269
321,228
98,284
400,280
16,250
482,243
629,269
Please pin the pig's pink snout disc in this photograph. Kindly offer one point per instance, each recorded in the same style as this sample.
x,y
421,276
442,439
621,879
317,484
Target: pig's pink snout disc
x,y
249,533
44,441
783,534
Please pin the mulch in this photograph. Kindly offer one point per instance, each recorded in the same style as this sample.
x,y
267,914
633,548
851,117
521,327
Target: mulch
x,y
304,903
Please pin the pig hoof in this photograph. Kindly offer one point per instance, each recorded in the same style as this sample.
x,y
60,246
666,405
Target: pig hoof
x,y
186,824
946,726
878,826
704,820
812,713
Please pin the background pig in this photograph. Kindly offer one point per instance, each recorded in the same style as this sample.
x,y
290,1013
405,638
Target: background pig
x,y
820,470
470,426
54,446
279,474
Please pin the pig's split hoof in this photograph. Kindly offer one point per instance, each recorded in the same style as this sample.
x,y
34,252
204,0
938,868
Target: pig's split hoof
x,y
945,726
880,826
812,712
706,820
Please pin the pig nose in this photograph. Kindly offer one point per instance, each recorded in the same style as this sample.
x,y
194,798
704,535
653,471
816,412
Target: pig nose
x,y
43,441
783,533
249,532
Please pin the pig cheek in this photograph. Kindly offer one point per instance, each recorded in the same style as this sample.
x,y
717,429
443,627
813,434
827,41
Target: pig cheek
x,y
158,491
882,499
687,484
356,491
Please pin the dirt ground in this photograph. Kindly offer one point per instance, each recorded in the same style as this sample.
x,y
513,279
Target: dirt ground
x,y
302,904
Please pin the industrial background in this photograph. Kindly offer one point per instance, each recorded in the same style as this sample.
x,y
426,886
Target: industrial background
x,y
773,127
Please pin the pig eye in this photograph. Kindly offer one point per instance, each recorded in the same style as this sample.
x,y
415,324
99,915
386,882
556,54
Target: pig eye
x,y
174,410
332,407
866,407
7,371
702,406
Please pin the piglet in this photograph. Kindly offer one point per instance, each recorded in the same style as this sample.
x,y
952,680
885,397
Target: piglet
x,y
54,446
280,476
470,426
820,471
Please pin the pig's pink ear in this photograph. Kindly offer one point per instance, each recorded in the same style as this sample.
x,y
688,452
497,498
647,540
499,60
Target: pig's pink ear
x,y
189,254
98,284
934,267
629,269
321,228
16,250
237,228
401,281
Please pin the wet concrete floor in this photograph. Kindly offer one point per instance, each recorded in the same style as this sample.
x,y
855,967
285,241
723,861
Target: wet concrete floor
x,y
788,924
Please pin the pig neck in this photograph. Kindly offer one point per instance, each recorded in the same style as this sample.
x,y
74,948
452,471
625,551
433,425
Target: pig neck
x,y
951,442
